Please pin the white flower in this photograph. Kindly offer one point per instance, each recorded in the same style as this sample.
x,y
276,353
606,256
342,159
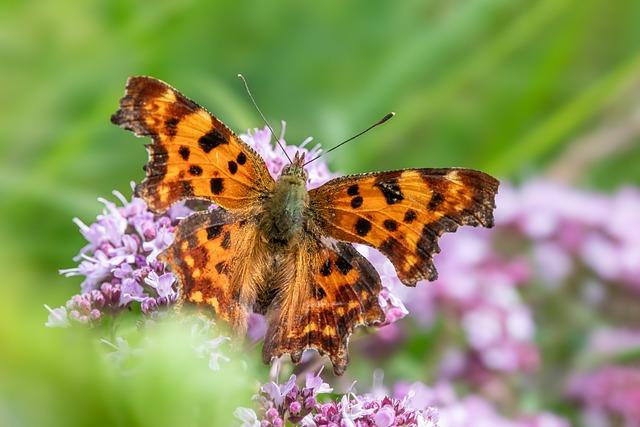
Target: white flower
x,y
247,416
57,317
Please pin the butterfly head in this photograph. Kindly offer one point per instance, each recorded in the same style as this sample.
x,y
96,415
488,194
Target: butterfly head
x,y
295,168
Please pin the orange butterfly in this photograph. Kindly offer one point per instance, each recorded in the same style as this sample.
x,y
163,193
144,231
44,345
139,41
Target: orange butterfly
x,y
276,248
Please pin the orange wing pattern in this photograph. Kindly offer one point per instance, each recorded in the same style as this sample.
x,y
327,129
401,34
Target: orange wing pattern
x,y
204,256
334,290
402,213
193,154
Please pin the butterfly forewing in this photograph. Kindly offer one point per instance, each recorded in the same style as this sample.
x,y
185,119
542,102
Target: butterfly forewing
x,y
402,213
193,155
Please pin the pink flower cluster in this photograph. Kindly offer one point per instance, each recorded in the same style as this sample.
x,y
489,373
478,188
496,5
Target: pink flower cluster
x,y
468,411
567,225
593,241
607,389
368,411
478,289
289,403
610,390
407,405
119,263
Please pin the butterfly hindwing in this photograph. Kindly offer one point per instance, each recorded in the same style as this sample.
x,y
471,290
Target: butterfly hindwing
x,y
334,290
205,256
193,155
403,213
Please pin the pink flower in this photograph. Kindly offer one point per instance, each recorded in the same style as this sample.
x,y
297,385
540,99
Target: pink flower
x,y
468,411
289,403
611,390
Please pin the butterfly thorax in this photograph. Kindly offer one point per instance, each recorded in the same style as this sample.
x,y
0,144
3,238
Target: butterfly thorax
x,y
284,211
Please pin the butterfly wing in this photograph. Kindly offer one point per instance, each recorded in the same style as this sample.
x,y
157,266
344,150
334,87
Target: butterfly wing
x,y
334,289
193,155
209,256
403,213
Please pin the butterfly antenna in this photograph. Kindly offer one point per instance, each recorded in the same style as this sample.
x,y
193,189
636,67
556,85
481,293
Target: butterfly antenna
x,y
378,123
246,86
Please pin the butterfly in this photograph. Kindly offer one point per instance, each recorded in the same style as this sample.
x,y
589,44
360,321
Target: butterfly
x,y
274,247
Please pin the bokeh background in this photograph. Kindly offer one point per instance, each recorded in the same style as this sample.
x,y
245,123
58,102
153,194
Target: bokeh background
x,y
524,90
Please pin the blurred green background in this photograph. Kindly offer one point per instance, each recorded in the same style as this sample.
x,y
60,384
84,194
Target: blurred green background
x,y
516,88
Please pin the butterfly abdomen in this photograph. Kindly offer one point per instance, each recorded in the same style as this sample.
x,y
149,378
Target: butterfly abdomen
x,y
284,216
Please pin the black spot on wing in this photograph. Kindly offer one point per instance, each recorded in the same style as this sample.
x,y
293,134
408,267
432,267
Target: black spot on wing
x,y
213,231
356,202
184,152
241,159
343,265
390,188
353,190
409,216
362,227
233,167
217,185
390,225
171,126
436,200
195,170
211,140
325,270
